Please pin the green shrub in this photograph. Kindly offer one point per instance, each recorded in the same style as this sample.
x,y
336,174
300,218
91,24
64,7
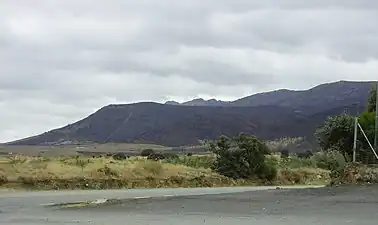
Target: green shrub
x,y
147,152
156,156
241,157
330,160
171,155
120,156
285,153
296,162
269,172
307,154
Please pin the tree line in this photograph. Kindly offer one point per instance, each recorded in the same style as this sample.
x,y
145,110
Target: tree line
x,y
337,132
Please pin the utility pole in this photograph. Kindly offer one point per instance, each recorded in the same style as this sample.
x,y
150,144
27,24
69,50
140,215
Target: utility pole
x,y
355,132
376,118
355,138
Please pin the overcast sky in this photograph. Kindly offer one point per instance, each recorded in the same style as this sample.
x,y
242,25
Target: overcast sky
x,y
61,60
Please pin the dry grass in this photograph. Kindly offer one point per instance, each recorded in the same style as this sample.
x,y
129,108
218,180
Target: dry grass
x,y
101,173
303,176
355,173
55,151
80,172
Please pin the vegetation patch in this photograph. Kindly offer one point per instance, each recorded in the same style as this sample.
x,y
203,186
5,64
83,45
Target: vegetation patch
x,y
303,176
105,173
3,178
356,173
136,172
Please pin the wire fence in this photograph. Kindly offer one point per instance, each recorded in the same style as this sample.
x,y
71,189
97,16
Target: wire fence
x,y
363,155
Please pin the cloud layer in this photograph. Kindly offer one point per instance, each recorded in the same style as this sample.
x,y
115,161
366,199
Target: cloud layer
x,y
61,60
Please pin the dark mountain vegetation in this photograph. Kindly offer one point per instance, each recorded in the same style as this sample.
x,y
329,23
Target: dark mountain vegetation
x,y
271,115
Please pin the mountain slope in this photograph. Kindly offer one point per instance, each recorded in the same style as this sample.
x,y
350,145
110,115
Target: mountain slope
x,y
171,125
273,115
177,125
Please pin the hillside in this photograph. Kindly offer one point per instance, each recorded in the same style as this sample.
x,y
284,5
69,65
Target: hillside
x,y
277,114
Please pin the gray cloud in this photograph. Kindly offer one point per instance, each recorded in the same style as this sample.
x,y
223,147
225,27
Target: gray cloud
x,y
61,60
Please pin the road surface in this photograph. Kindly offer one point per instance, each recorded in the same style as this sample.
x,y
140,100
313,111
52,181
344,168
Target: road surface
x,y
221,206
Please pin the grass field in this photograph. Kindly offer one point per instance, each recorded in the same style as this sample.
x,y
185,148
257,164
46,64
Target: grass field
x,y
80,172
51,151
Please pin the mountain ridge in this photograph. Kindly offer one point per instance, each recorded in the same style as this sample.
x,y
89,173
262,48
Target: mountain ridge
x,y
269,115
277,96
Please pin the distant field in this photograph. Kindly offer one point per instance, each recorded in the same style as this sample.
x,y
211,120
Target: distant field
x,y
129,148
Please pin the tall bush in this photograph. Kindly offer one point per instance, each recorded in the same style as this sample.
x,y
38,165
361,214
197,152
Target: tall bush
x,y
147,152
337,133
242,156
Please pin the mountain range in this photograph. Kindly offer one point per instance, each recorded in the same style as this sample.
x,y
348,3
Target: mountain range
x,y
269,115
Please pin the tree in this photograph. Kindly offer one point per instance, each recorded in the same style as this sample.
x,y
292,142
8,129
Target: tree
x,y
242,156
337,133
372,100
367,122
147,152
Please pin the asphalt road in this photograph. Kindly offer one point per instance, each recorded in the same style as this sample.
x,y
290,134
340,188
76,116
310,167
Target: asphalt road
x,y
221,206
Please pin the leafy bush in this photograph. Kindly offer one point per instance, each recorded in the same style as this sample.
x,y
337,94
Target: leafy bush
x,y
241,157
337,133
269,172
367,122
170,155
296,162
156,156
330,160
147,152
120,156
306,154
285,153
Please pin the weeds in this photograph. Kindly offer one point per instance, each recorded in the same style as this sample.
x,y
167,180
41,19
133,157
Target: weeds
x,y
150,168
3,178
107,171
15,160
